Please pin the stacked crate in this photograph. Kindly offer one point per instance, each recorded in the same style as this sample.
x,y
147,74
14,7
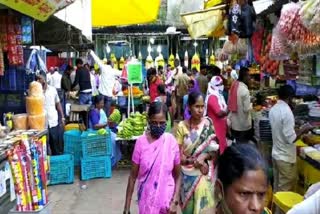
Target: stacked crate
x,y
96,155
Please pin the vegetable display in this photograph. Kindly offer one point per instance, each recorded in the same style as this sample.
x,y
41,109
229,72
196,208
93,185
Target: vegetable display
x,y
134,125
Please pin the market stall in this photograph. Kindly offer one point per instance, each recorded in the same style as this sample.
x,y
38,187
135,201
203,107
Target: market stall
x,y
12,183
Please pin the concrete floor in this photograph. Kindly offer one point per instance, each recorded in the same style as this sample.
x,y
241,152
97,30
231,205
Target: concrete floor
x,y
102,196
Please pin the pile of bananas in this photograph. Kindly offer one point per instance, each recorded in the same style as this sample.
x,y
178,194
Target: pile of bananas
x,y
133,125
115,116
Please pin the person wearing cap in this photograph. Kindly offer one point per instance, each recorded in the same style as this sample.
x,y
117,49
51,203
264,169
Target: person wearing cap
x,y
83,79
53,109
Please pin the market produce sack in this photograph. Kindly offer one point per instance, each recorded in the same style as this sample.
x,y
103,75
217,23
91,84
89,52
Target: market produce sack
x,y
290,24
35,89
20,121
35,105
240,47
279,48
37,122
310,16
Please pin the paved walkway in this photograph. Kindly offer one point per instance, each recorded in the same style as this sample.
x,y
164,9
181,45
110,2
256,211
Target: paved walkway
x,y
102,196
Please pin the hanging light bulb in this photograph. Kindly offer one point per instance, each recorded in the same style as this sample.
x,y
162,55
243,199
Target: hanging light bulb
x,y
140,55
159,49
195,44
149,49
108,49
152,40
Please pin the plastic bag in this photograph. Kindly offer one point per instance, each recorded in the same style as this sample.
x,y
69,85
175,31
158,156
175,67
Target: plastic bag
x,y
37,122
289,14
279,48
20,121
308,11
240,47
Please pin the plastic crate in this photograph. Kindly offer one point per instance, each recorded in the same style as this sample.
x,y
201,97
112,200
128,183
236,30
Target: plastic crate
x,y
94,145
61,169
96,167
72,145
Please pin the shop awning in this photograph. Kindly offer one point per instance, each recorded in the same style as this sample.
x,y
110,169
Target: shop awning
x,y
124,12
60,36
38,9
203,23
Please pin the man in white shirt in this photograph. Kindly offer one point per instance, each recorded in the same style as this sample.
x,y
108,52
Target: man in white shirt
x,y
107,81
311,204
52,108
56,79
284,136
241,121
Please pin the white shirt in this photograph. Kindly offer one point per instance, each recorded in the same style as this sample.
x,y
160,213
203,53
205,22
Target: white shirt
x,y
56,80
241,120
51,99
93,84
283,133
310,205
107,77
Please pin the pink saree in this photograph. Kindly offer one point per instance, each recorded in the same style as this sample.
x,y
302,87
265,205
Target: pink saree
x,y
155,181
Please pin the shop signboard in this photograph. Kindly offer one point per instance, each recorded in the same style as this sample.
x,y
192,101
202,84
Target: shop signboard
x,y
134,72
38,9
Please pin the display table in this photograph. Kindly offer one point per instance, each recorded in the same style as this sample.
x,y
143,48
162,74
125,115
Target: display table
x,y
308,174
7,194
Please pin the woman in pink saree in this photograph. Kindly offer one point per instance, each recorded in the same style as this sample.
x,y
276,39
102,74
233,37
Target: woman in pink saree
x,y
156,166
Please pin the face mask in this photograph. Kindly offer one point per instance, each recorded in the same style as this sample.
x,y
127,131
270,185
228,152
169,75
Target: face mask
x,y
220,88
156,131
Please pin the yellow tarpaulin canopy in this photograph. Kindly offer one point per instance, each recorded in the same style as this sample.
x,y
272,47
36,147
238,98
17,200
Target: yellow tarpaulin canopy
x,y
203,23
124,12
38,9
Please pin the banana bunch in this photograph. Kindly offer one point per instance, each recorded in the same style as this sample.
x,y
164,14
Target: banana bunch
x,y
133,125
115,116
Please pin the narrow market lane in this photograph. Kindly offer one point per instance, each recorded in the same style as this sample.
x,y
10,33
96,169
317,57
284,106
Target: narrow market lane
x,y
101,196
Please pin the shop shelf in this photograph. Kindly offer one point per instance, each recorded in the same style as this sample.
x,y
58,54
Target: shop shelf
x,y
94,145
61,169
96,167
72,145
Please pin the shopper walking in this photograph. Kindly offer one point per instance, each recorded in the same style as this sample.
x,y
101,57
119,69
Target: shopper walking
x,y
216,109
202,81
181,88
165,98
156,165
284,136
53,109
107,81
154,81
239,105
198,148
83,79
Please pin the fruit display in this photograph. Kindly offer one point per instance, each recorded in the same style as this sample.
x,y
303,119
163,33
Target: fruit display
x,y
134,125
121,63
149,62
171,60
114,61
257,43
135,91
195,62
115,116
268,65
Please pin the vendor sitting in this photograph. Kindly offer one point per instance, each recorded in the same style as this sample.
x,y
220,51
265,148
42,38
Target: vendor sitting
x,y
98,120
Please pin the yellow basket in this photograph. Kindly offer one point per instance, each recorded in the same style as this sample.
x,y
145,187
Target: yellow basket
x,y
286,200
72,126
